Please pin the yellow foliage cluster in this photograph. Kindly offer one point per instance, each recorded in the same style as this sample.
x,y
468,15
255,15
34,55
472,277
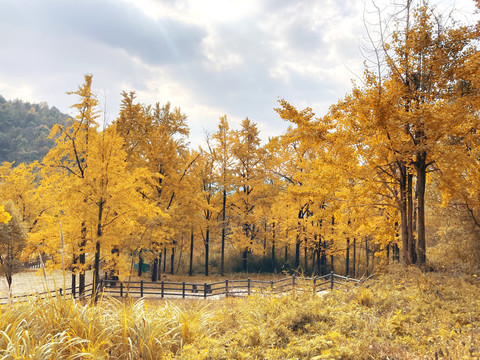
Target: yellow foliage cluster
x,y
4,216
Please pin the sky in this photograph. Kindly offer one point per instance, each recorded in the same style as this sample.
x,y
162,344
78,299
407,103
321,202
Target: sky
x,y
208,57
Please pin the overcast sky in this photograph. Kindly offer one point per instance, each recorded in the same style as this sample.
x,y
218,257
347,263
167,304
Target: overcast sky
x,y
209,57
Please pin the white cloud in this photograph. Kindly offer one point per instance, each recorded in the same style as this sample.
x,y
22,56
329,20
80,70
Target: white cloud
x,y
198,11
217,57
209,57
19,91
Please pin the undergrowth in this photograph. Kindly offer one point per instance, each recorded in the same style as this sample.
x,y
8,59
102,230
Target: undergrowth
x,y
403,314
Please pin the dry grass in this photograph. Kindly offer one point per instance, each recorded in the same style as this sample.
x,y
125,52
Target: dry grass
x,y
403,314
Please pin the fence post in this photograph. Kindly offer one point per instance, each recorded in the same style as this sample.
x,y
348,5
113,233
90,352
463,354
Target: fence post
x,y
183,290
248,286
60,290
293,281
331,280
141,288
271,285
163,289
314,284
226,287
121,289
205,290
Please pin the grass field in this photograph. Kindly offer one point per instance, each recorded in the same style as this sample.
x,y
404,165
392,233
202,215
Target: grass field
x,y
403,314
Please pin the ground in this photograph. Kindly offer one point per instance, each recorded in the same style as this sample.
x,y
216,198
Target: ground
x,y
33,281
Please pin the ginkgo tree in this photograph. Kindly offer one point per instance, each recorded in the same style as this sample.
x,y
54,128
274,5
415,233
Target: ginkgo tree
x,y
415,111
223,162
155,137
248,180
98,199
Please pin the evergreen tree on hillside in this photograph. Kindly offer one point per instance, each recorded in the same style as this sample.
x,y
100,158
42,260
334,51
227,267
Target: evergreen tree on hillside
x,y
24,130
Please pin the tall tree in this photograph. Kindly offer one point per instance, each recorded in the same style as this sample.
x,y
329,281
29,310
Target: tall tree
x,y
248,172
100,199
208,191
156,138
421,101
224,164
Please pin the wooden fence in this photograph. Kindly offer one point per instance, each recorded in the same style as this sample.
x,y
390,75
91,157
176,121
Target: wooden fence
x,y
168,289
49,294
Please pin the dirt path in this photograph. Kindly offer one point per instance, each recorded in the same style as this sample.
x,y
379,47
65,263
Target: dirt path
x,y
33,281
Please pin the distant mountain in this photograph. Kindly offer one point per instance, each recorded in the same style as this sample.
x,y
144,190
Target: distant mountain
x,y
24,130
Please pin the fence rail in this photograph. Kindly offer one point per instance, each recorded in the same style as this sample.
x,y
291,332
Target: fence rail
x,y
163,289
227,288
48,294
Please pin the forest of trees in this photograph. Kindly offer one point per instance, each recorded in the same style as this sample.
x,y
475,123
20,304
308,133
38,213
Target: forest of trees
x,y
24,130
391,169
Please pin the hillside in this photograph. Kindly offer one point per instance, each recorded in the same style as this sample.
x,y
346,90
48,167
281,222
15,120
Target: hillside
x,y
24,130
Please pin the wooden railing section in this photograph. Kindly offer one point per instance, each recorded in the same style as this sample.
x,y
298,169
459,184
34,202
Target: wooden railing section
x,y
58,292
169,289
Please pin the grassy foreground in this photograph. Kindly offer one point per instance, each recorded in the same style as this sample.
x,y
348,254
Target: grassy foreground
x,y
403,314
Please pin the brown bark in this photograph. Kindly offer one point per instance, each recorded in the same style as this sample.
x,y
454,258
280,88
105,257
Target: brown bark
x,y
81,279
207,247
96,270
347,259
421,168
403,212
190,268
410,216
224,210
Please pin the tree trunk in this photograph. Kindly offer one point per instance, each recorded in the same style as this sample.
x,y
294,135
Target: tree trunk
x,y
421,168
74,276
96,267
323,258
411,238
172,260
347,259
190,268
245,260
74,284
164,259
96,275
354,271
367,258
159,275
319,267
222,259
264,260
155,270
297,254
305,257
81,279
140,263
403,213
207,249
8,277
274,267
